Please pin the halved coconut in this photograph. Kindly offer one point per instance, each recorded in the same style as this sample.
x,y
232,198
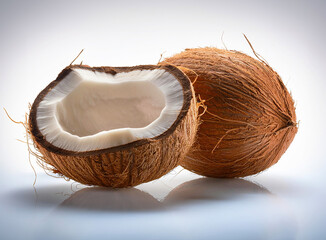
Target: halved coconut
x,y
115,126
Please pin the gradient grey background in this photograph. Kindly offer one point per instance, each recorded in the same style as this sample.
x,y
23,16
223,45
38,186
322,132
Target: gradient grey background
x,y
39,38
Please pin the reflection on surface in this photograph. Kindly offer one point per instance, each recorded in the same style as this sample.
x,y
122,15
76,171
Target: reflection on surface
x,y
133,199
213,189
108,199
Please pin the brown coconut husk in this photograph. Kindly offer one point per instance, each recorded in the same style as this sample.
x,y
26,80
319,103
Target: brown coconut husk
x,y
126,165
249,120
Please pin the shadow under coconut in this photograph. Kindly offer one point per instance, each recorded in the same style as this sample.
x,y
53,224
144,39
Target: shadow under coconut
x,y
88,198
213,189
109,199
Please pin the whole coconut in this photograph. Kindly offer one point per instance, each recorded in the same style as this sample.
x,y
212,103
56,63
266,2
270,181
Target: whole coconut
x,y
249,118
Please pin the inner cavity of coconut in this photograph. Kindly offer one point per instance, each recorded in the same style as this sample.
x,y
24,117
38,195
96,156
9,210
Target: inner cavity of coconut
x,y
95,107
90,110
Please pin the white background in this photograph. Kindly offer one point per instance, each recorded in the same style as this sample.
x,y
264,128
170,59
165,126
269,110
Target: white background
x,y
39,38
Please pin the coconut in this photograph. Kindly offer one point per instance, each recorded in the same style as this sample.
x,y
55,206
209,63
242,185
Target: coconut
x,y
249,120
114,126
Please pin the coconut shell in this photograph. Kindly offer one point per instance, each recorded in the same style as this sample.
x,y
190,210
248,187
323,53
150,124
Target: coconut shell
x,y
126,165
249,120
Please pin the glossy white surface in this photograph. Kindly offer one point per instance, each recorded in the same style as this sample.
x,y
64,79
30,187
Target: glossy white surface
x,y
180,205
287,201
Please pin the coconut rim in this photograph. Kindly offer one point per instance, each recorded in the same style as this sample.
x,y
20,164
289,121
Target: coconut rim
x,y
176,72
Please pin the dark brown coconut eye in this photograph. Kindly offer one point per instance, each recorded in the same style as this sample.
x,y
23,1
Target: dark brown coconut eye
x,y
250,119
115,126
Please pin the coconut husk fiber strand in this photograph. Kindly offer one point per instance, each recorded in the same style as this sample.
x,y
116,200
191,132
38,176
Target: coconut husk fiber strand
x,y
249,120
126,165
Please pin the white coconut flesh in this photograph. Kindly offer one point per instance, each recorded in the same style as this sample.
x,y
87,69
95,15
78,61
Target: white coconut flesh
x,y
90,110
